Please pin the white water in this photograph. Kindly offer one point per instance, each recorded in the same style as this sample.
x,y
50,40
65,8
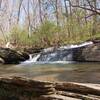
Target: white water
x,y
32,60
76,46
30,57
54,54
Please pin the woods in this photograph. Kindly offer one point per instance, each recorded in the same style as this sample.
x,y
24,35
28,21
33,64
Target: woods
x,y
49,22
49,49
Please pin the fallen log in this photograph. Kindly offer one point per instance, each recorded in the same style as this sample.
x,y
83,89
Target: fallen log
x,y
17,88
57,97
79,88
79,96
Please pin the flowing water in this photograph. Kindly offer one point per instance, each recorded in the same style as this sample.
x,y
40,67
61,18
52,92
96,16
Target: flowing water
x,y
75,72
52,55
55,65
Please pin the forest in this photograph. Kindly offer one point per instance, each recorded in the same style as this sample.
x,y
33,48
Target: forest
x,y
49,49
45,23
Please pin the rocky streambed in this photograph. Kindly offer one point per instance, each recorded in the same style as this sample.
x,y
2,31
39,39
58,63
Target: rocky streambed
x,y
80,53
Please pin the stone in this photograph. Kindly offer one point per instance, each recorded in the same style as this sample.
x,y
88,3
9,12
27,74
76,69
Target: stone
x,y
33,50
24,54
2,61
90,53
11,56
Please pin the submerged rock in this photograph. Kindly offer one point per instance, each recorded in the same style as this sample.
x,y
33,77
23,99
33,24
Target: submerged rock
x,y
10,56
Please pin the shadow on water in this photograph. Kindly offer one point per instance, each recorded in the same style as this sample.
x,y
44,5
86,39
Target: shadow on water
x,y
76,72
83,72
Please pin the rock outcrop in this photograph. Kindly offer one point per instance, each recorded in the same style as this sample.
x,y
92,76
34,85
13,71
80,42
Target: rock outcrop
x,y
89,53
80,53
33,50
27,89
64,53
9,56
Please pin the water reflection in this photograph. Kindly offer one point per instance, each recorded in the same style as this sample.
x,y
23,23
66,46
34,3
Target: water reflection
x,y
79,72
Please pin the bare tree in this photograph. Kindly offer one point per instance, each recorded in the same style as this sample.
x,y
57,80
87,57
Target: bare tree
x,y
66,8
57,17
0,3
94,17
40,11
29,22
19,10
97,11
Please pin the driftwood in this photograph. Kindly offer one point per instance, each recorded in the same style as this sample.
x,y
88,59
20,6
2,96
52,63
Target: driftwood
x,y
78,88
26,89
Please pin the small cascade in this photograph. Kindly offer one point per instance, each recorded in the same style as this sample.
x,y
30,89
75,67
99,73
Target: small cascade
x,y
61,54
35,58
56,55
32,59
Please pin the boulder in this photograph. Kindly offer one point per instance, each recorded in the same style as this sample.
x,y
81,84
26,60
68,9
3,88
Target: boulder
x,y
2,61
89,53
10,56
92,53
77,54
24,54
33,50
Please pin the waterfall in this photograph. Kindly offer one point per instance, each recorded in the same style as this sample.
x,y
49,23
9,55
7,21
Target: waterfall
x,y
35,58
31,59
56,55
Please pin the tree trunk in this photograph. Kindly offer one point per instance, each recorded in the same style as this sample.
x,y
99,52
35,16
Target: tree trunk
x,y
0,3
57,17
66,9
19,10
40,11
94,18
29,23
